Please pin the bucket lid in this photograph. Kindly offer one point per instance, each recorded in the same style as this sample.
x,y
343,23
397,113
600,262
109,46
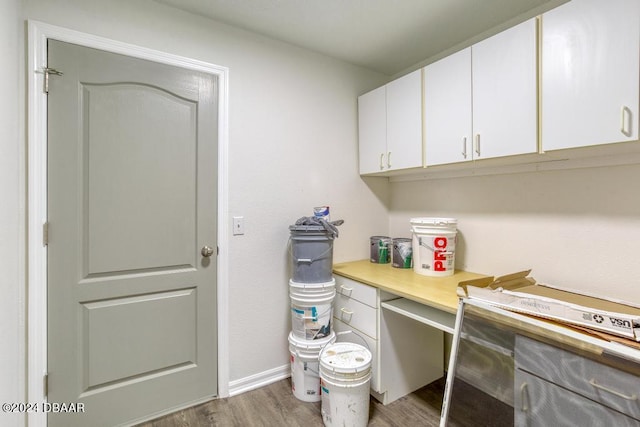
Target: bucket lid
x,y
345,357
434,221
308,228
312,286
311,345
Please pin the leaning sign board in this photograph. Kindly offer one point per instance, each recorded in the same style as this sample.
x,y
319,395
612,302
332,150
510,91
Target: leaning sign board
x,y
517,292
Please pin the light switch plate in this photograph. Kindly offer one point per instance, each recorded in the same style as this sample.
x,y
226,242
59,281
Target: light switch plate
x,y
238,225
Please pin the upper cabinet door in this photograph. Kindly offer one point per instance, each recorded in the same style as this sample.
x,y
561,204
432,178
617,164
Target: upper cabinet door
x,y
504,79
372,128
404,122
481,102
390,126
447,109
590,73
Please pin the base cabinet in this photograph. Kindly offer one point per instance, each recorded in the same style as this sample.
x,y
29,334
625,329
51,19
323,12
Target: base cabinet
x,y
407,355
561,388
541,403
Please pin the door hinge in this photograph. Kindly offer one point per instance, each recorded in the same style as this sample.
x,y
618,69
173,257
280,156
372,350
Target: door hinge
x,y
45,384
47,72
45,234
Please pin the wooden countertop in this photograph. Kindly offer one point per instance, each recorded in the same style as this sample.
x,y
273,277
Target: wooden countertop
x,y
438,292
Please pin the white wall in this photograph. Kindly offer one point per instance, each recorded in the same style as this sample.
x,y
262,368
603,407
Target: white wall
x,y
12,286
292,146
577,229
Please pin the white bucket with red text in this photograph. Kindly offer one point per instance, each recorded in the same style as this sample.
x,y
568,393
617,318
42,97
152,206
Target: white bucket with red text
x,y
305,366
434,245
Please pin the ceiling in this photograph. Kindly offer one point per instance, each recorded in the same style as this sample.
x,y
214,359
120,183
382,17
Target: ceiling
x,y
387,36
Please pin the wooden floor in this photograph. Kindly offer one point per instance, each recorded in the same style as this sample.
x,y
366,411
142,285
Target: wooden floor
x,y
275,405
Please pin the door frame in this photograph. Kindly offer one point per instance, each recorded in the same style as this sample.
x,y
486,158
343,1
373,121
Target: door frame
x,y
38,34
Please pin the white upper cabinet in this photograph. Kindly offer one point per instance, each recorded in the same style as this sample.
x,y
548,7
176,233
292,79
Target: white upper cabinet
x,y
390,126
590,73
372,128
447,109
505,93
481,102
404,122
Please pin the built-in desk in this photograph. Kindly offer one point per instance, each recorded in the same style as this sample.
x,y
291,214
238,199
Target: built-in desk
x,y
388,308
430,300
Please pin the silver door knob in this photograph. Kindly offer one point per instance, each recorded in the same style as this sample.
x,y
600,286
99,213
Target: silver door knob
x,y
206,251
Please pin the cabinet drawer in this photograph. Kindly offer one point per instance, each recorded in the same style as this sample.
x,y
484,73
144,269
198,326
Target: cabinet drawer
x,y
612,387
371,344
541,403
359,291
356,314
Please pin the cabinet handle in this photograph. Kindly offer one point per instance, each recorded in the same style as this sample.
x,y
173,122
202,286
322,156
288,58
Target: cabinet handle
x,y
344,288
524,396
347,312
381,161
389,159
477,144
464,147
594,383
625,125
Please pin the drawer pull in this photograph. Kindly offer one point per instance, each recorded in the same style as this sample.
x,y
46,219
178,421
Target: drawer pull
x,y
594,383
347,312
344,288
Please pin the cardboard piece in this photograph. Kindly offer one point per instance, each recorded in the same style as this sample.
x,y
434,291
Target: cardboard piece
x,y
520,293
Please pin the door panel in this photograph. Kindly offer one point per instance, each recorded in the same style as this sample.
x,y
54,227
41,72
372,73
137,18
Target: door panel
x,y
133,336
131,201
129,211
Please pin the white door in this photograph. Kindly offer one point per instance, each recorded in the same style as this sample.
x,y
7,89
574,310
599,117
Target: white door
x,y
590,73
505,93
131,205
447,110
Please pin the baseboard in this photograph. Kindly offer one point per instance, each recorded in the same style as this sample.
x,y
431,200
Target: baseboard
x,y
259,380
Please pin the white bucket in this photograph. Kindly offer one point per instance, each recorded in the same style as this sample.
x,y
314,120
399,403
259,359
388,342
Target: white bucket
x,y
345,376
311,309
308,289
305,366
434,245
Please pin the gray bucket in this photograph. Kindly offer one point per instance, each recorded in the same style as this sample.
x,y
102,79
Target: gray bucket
x,y
311,249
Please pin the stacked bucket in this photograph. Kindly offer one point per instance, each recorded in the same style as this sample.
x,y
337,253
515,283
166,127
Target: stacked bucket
x,y
312,290
338,374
